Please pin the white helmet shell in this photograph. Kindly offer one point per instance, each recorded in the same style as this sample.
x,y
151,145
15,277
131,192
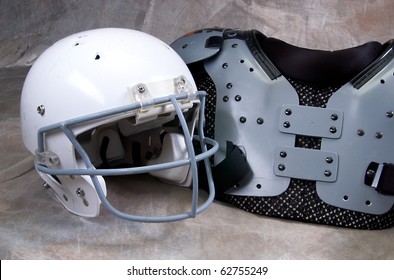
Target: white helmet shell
x,y
91,79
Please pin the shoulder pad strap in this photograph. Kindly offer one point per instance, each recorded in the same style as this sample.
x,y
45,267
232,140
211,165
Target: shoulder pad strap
x,y
199,45
380,177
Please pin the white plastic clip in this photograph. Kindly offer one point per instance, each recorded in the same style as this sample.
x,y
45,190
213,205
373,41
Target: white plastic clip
x,y
47,158
182,85
142,96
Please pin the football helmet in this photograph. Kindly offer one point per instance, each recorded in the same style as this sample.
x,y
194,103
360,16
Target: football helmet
x,y
108,102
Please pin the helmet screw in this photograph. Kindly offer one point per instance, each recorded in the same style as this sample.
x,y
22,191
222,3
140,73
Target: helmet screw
x,y
260,120
329,160
390,114
242,119
288,112
141,89
41,110
360,132
327,173
80,192
334,117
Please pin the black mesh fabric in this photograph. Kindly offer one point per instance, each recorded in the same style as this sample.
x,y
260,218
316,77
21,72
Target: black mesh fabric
x,y
300,201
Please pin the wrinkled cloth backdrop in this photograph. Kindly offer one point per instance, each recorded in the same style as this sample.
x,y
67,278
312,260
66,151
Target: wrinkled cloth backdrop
x,y
35,226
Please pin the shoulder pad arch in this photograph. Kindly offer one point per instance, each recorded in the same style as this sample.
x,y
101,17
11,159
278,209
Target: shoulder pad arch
x,y
199,45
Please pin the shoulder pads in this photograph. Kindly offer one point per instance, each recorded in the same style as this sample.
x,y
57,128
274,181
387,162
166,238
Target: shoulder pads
x,y
315,127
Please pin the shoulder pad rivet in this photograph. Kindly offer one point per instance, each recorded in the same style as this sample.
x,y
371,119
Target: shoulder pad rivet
x,y
281,167
286,124
333,129
370,173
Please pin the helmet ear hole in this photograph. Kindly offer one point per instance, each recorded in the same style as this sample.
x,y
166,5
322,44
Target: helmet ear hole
x,y
55,178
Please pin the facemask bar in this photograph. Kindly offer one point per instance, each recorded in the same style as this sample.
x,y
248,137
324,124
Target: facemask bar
x,y
90,170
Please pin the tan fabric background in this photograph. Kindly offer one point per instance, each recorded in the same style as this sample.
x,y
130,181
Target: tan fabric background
x,y
35,226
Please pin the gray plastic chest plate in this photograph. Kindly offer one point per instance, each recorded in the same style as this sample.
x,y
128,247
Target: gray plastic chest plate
x,y
251,111
311,121
367,135
308,164
247,113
